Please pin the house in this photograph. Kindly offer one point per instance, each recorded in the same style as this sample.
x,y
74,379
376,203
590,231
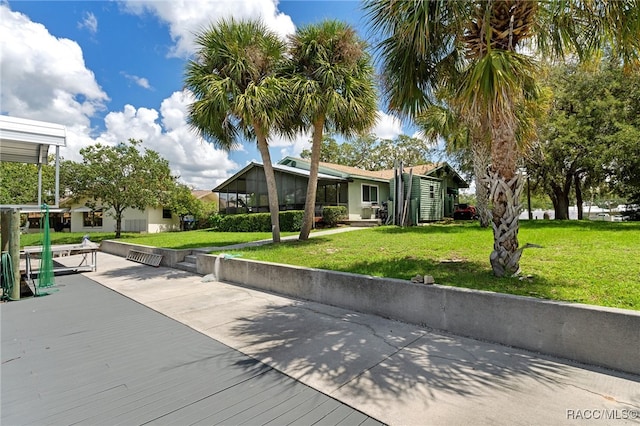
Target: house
x,y
150,220
364,193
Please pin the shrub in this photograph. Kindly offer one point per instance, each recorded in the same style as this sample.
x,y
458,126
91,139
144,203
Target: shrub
x,y
213,221
290,221
331,215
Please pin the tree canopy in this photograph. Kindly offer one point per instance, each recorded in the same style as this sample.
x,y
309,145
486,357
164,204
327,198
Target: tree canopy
x,y
20,182
239,92
369,152
183,203
590,136
485,56
332,89
121,177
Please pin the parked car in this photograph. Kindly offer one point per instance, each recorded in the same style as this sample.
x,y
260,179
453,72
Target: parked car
x,y
601,216
465,212
631,212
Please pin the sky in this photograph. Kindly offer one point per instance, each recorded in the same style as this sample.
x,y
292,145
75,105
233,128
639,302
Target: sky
x,y
114,70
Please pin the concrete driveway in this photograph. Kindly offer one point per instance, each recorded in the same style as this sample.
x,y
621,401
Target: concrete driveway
x,y
397,373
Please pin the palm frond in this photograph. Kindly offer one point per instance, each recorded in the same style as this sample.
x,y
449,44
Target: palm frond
x,y
235,82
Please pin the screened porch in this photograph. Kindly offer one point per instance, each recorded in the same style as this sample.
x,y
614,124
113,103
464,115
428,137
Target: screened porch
x,y
246,191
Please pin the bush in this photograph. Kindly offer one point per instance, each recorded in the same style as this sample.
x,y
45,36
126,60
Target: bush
x,y
290,221
331,215
213,221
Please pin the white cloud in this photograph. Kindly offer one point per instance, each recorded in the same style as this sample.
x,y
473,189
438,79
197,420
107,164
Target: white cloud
x,y
387,126
197,162
140,81
90,22
290,147
186,17
44,77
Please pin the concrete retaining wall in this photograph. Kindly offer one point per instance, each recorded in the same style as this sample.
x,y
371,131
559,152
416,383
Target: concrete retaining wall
x,y
170,257
594,335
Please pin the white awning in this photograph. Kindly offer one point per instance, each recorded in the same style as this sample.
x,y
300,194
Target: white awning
x,y
28,141
81,210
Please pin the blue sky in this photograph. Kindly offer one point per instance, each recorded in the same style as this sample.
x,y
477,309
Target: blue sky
x,y
113,70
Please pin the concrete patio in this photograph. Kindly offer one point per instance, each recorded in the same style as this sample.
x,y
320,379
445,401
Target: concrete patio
x,y
396,373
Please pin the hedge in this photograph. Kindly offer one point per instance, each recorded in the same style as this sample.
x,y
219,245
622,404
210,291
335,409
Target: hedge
x,y
331,215
290,221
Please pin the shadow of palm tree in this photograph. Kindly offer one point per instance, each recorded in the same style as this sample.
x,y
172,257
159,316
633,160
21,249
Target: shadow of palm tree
x,y
375,358
140,272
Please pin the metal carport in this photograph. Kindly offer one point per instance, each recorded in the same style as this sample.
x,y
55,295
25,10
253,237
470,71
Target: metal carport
x,y
26,141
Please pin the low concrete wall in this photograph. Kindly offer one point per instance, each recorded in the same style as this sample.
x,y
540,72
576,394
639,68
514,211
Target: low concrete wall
x,y
594,335
170,257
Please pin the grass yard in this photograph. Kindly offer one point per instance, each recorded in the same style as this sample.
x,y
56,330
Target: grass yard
x,y
173,240
35,239
580,261
199,238
588,262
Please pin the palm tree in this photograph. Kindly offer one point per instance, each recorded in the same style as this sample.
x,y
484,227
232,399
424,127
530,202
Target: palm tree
x,y
333,90
485,52
238,92
439,120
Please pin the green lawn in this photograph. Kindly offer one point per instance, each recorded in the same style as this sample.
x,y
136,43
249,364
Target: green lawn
x,y
174,240
35,239
588,262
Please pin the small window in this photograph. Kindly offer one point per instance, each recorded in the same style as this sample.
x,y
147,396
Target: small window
x,y
369,194
166,213
432,193
92,219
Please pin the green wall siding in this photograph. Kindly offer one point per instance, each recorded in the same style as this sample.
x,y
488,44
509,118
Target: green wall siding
x,y
430,199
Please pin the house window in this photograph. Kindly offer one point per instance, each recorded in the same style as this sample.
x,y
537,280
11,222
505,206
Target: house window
x,y
432,193
92,219
369,193
166,213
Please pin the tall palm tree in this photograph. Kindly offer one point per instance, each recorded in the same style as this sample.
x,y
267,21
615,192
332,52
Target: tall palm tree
x,y
239,94
487,51
440,120
333,88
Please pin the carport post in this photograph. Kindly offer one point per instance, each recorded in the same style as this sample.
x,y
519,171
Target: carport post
x,y
11,244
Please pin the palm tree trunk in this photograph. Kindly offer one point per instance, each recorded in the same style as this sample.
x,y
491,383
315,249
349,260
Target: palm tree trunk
x,y
272,190
505,191
481,160
312,186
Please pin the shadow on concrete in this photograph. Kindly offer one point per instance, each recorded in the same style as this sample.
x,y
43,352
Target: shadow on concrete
x,y
139,272
371,357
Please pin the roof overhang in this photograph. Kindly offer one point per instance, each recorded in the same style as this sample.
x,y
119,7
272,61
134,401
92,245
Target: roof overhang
x,y
278,168
446,168
28,141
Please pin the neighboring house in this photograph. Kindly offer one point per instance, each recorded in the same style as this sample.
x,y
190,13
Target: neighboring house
x,y
205,195
151,220
434,190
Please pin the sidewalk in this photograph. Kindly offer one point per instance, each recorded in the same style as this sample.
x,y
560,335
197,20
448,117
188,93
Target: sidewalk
x,y
397,373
